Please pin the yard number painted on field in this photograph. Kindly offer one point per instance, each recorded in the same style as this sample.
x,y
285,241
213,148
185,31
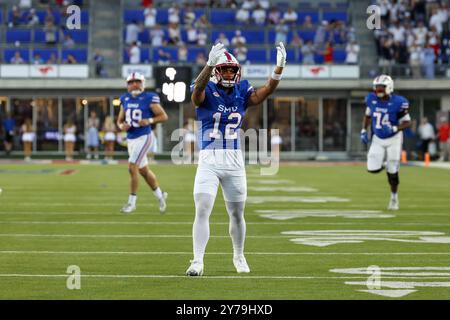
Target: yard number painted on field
x,y
323,238
398,287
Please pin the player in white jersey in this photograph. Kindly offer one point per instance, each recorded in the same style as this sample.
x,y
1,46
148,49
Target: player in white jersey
x,y
221,102
388,116
138,111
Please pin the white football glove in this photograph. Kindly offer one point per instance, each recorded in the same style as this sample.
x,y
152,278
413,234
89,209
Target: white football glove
x,y
281,55
215,53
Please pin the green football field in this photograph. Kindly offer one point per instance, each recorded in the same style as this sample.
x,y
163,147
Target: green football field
x,y
312,233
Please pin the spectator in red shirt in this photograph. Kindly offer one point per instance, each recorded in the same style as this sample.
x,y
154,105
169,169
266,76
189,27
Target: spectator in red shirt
x,y
328,53
444,141
147,3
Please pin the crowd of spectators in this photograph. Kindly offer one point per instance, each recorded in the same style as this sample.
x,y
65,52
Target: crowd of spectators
x,y
253,13
413,33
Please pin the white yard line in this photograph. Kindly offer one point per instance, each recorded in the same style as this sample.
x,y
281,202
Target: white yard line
x,y
217,253
292,223
25,235
162,276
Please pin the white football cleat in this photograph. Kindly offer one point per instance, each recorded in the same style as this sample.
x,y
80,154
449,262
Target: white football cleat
x,y
195,269
393,204
128,208
241,264
162,203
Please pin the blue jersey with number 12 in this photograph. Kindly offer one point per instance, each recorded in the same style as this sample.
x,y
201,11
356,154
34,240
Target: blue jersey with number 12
x,y
221,115
385,112
136,109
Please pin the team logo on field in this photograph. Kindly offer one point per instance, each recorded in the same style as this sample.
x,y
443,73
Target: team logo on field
x,y
323,238
397,282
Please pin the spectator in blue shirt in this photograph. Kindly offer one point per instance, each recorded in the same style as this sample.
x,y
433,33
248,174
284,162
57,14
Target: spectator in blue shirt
x,y
8,130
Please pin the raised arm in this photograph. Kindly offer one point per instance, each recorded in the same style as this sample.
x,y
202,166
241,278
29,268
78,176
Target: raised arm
x,y
260,94
198,94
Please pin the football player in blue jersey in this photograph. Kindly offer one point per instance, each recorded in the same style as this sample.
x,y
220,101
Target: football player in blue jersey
x,y
387,114
221,99
138,111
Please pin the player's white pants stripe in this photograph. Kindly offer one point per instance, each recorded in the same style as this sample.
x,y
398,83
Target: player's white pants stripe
x,y
144,150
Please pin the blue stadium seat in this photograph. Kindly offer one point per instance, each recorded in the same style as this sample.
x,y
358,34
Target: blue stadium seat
x,y
133,14
302,14
194,51
13,35
162,16
84,17
172,50
45,53
145,55
9,53
183,34
336,15
257,55
306,35
220,17
339,56
79,36
39,36
318,58
144,37
290,55
337,38
254,36
79,54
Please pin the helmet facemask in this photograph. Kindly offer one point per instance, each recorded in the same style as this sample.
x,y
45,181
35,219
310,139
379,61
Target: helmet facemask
x,y
227,83
383,86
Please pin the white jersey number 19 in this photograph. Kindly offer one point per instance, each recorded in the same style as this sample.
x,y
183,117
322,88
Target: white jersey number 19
x,y
133,116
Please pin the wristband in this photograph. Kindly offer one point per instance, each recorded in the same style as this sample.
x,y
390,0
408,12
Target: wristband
x,y
394,129
151,120
363,130
276,76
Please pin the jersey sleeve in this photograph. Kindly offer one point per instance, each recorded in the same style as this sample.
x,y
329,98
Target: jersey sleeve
x,y
403,113
246,90
368,101
155,99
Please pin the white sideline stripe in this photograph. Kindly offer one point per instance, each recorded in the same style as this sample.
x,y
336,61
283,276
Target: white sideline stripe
x,y
217,253
220,223
159,276
125,236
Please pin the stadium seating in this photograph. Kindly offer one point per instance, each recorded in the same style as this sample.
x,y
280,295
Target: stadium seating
x,y
58,19
9,53
259,41
79,54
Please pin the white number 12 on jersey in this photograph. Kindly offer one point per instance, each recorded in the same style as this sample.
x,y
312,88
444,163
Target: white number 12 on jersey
x,y
230,132
381,121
